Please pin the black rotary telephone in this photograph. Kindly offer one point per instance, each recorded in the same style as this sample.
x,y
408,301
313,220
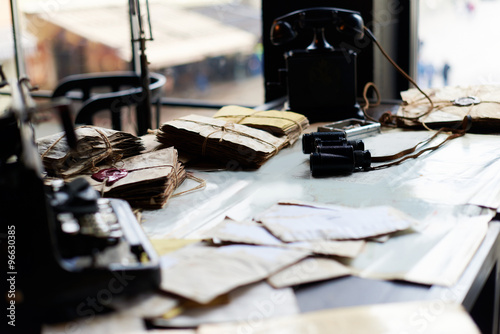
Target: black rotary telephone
x,y
320,79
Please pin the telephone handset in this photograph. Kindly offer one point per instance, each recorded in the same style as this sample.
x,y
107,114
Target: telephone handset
x,y
285,28
320,79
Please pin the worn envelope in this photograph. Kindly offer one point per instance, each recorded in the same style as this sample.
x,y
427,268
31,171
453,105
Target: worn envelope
x,y
279,123
305,222
243,303
202,273
309,270
251,232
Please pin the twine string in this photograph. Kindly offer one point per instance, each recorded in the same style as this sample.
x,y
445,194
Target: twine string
x,y
254,114
227,127
93,161
202,184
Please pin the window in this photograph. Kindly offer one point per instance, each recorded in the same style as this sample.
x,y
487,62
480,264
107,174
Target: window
x,y
208,50
458,43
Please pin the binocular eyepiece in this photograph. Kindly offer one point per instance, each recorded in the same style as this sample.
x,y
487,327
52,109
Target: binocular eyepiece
x,y
332,154
312,141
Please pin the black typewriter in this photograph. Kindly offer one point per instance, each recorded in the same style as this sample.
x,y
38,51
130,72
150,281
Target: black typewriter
x,y
66,252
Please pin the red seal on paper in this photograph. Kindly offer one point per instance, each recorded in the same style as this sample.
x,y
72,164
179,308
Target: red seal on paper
x,y
110,175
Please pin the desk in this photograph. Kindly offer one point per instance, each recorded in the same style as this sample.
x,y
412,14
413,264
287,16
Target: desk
x,y
242,194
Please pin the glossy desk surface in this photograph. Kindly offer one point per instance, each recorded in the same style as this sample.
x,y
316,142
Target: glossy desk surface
x,y
452,179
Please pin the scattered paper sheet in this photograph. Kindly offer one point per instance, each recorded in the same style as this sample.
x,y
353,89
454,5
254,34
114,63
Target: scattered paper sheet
x,y
299,222
165,246
437,255
251,232
409,318
245,232
342,248
258,299
308,270
202,273
147,307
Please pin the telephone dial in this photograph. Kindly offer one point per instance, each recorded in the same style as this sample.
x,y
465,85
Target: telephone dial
x,y
321,78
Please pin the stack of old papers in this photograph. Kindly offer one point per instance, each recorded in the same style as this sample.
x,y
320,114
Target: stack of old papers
x,y
452,104
222,141
94,145
279,123
145,181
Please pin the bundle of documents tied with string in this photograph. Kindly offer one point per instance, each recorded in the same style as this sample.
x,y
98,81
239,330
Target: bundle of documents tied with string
x,y
112,163
146,180
278,123
450,105
94,145
220,140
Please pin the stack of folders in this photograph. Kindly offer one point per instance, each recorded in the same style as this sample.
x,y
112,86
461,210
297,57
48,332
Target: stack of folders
x,y
222,141
94,145
146,181
278,123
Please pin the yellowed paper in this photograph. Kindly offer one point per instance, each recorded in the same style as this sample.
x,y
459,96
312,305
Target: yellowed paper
x,y
279,123
342,248
246,232
165,246
272,118
202,273
300,222
308,270
244,302
217,139
146,306
251,232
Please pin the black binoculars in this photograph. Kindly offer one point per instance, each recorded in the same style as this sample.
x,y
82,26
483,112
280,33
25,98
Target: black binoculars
x,y
332,154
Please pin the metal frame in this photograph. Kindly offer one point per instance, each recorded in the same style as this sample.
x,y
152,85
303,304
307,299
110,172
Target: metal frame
x,y
18,50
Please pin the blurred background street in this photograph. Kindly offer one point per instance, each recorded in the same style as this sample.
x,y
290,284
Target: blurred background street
x,y
218,59
462,34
